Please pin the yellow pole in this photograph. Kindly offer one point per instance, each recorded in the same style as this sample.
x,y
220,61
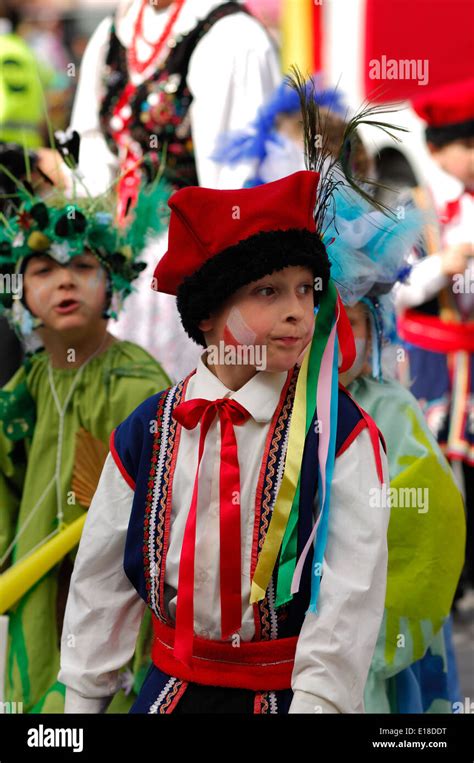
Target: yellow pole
x,y
297,35
3,654
17,580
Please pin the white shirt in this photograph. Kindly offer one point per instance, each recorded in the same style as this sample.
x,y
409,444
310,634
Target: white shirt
x,y
426,279
335,647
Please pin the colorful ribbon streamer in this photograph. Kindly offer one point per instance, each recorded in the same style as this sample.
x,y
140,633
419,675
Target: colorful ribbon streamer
x,y
283,525
327,405
268,554
324,321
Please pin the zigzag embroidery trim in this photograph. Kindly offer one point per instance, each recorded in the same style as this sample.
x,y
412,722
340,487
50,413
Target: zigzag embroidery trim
x,y
156,704
273,703
157,490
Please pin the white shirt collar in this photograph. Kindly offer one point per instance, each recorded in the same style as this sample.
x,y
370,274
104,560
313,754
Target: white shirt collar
x,y
259,396
443,186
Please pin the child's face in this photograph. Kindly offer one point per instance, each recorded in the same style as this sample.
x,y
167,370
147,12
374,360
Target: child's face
x,y
457,159
359,321
65,297
275,314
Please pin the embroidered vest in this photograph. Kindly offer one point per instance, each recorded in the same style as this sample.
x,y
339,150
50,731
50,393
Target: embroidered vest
x,y
160,105
145,448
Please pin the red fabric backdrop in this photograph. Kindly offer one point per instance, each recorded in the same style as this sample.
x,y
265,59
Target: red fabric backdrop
x,y
439,31
318,52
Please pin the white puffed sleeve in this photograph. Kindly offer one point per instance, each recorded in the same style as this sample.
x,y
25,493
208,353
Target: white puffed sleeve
x,y
232,72
98,165
336,645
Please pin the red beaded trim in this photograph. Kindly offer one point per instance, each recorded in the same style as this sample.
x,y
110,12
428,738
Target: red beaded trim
x,y
134,65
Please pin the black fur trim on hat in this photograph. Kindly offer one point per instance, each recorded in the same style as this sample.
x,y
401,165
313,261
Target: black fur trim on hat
x,y
441,136
208,288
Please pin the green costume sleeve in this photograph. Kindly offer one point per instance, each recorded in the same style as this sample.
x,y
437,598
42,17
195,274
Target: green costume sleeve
x,y
426,533
12,458
110,387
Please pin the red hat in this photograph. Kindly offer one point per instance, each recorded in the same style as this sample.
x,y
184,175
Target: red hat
x,y
448,110
205,222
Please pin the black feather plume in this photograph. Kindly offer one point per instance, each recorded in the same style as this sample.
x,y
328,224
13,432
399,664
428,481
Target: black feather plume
x,y
335,170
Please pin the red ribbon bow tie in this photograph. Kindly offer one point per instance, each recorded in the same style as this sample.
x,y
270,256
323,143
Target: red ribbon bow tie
x,y
189,414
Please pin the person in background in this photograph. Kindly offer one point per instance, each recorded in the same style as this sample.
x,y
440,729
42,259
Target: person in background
x,y
21,123
274,138
436,305
69,268
42,27
159,81
413,669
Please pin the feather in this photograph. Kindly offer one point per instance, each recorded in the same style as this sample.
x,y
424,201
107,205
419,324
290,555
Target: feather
x,y
318,156
89,458
150,214
335,171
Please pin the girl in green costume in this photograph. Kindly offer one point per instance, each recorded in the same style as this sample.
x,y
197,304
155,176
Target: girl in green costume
x,y
412,669
68,269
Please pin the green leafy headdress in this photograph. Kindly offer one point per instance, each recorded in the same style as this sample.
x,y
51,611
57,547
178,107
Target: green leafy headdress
x,y
64,228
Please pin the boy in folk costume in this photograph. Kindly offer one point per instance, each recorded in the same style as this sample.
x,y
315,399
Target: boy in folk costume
x,y
210,523
256,607
436,305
